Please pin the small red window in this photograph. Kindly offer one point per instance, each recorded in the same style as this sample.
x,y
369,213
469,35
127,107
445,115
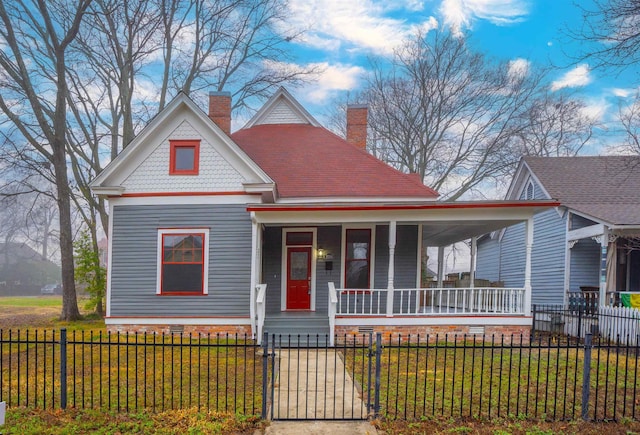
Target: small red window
x,y
185,157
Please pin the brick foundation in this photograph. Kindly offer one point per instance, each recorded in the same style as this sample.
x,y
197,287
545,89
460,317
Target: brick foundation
x,y
241,330
395,333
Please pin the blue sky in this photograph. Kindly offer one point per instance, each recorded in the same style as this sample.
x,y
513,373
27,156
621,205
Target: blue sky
x,y
341,35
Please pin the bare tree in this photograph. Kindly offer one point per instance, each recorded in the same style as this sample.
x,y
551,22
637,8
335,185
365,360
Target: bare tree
x,y
447,113
629,116
554,124
140,53
35,38
611,31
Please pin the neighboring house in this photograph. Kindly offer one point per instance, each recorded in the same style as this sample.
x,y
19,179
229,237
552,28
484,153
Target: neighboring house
x,y
589,244
24,271
285,226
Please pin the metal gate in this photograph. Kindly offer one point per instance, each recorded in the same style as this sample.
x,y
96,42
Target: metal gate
x,y
305,379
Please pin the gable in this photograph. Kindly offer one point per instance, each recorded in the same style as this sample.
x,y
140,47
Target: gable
x,y
145,166
281,108
282,113
215,172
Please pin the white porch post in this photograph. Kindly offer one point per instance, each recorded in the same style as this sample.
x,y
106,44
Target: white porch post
x,y
527,266
254,273
390,276
604,244
472,267
440,265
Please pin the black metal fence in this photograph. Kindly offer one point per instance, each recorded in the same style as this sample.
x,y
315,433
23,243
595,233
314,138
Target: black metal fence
x,y
57,369
300,377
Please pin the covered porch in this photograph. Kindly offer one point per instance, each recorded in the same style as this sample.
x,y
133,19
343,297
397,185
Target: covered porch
x,y
358,268
602,264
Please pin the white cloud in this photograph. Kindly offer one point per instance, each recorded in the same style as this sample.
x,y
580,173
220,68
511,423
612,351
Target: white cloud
x,y
330,79
519,67
460,14
579,76
595,109
363,24
334,78
622,93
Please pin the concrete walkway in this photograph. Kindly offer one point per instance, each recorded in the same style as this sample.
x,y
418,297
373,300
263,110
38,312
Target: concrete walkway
x,y
319,428
314,384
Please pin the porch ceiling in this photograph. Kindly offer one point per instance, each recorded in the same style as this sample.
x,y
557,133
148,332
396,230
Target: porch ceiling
x,y
447,233
444,223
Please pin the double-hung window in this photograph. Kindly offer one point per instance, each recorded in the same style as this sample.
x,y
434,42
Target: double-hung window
x,y
182,261
357,262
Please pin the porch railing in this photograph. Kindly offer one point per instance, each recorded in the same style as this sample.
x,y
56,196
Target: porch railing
x,y
260,309
589,301
430,301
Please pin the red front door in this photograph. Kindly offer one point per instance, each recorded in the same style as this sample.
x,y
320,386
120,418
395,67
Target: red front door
x,y
298,278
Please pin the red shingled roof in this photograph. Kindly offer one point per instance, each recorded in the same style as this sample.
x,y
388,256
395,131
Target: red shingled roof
x,y
308,161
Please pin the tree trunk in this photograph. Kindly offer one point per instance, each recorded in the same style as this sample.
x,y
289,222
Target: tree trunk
x,y
69,299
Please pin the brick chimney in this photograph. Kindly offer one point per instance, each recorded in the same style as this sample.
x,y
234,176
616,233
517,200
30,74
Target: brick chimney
x,y
357,125
220,110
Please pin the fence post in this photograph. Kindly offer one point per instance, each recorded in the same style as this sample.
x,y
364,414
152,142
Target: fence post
x,y
533,328
586,375
376,400
265,373
63,368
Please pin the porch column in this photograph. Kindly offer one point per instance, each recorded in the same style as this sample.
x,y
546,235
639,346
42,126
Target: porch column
x,y
440,265
390,276
604,243
527,266
254,271
472,267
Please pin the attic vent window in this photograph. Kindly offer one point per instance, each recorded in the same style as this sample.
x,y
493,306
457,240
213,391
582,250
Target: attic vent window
x,y
529,192
185,157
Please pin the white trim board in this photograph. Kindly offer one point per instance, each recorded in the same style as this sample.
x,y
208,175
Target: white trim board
x,y
490,320
177,321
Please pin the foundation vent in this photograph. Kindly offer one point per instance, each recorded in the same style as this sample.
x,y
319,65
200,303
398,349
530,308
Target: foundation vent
x,y
176,329
365,329
476,330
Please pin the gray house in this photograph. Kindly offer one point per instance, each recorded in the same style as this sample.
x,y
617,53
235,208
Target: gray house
x,y
285,227
589,246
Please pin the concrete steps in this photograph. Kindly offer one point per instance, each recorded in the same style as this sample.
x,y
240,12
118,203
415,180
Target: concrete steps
x,y
298,330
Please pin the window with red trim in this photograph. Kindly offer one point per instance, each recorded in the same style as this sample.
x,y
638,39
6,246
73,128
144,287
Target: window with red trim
x,y
185,157
182,268
357,258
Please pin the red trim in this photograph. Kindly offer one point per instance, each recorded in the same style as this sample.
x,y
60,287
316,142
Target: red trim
x,y
201,262
505,204
347,260
182,294
142,195
177,144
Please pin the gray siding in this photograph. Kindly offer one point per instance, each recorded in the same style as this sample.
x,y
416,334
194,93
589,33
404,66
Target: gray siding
x,y
578,222
328,238
271,266
488,259
547,258
134,260
507,256
585,264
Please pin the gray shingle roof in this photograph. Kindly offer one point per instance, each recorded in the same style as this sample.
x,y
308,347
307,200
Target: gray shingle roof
x,y
604,187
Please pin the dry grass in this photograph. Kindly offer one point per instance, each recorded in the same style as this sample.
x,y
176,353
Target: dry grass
x,y
484,381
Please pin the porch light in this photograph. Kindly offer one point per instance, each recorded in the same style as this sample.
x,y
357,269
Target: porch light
x,y
321,253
